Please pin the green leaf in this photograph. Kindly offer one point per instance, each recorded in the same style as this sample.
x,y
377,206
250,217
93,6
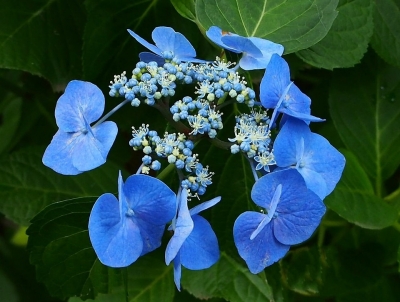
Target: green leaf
x,y
27,186
295,24
329,272
10,114
386,37
354,198
364,105
60,249
42,37
227,279
186,8
347,40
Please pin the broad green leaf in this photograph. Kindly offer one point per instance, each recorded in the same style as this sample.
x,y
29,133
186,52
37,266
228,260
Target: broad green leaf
x,y
398,257
66,263
296,24
329,272
364,104
347,40
27,186
60,249
186,8
42,37
10,114
354,198
386,37
227,279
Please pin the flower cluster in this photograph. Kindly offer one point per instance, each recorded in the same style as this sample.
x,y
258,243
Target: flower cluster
x,y
294,169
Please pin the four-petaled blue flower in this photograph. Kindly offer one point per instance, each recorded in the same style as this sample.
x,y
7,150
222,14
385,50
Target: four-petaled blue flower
x,y
170,45
194,244
256,51
320,164
293,213
78,147
121,231
278,92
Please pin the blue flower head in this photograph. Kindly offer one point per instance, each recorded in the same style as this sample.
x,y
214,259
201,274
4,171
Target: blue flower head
x,y
320,164
293,214
122,230
78,147
170,45
256,51
194,244
278,92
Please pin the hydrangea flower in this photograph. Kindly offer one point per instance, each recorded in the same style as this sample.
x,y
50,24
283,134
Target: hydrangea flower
x,y
256,51
320,164
293,214
170,45
194,244
122,230
278,92
78,147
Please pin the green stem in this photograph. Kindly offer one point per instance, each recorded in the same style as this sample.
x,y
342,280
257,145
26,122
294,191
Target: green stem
x,y
165,172
392,196
220,144
125,277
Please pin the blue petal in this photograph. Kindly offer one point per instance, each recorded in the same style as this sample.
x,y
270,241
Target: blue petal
x,y
205,205
267,48
200,250
319,155
314,181
151,199
115,239
58,154
80,99
164,38
264,249
274,81
250,63
243,44
146,44
215,34
151,235
183,228
183,48
149,57
177,272
299,213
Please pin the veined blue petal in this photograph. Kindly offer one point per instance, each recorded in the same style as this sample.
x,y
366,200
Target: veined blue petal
x,y
205,205
151,199
298,214
183,48
177,272
115,239
264,249
151,235
183,228
267,48
149,57
146,44
214,33
243,44
274,82
164,38
200,249
80,99
250,63
58,154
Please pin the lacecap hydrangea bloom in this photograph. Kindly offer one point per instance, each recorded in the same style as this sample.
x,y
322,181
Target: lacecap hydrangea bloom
x,y
77,146
256,51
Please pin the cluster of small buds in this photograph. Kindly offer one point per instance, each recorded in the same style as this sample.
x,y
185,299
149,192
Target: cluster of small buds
x,y
150,82
177,149
253,137
202,117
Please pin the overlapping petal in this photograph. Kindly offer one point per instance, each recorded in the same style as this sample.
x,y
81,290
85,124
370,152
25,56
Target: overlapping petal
x,y
318,156
121,230
77,147
257,52
167,42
